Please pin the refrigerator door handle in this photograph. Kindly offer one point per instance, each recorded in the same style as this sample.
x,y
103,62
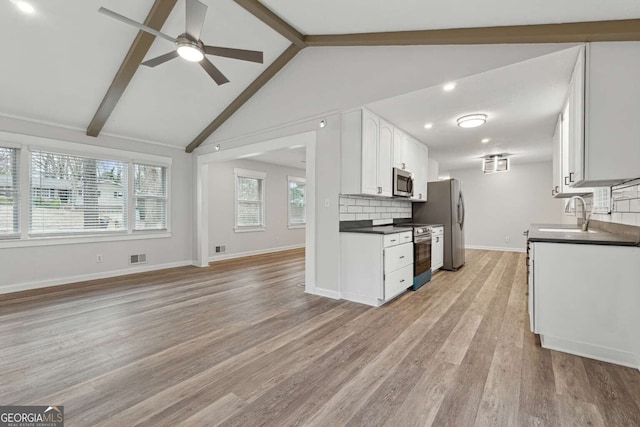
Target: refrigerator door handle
x,y
460,210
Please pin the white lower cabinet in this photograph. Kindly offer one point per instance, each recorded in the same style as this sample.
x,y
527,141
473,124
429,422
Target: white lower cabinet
x,y
375,268
583,299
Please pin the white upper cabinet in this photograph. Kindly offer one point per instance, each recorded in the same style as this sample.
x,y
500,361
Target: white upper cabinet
x,y
367,146
605,148
371,147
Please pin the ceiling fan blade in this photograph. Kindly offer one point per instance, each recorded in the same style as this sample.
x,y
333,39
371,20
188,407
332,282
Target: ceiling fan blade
x,y
213,71
241,54
161,59
196,11
138,25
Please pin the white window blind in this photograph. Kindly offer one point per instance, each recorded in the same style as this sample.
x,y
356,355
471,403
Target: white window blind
x,y
297,189
249,198
150,192
9,200
73,194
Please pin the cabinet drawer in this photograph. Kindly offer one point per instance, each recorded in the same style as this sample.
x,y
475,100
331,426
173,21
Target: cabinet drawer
x,y
397,282
397,257
397,239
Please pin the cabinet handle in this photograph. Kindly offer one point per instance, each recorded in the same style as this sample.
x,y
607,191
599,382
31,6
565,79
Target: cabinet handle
x,y
401,280
404,166
402,257
566,180
379,190
437,239
570,176
557,189
420,196
553,192
393,240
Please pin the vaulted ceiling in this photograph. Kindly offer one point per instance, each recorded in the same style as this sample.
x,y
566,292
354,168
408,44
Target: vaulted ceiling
x,y
59,62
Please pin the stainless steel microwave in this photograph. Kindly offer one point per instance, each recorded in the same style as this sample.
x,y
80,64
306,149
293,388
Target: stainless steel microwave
x,y
402,183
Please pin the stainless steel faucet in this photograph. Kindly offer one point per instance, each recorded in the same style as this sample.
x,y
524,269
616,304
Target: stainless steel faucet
x,y
585,218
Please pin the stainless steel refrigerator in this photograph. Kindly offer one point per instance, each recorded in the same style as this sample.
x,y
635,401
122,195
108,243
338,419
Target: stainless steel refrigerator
x,y
445,205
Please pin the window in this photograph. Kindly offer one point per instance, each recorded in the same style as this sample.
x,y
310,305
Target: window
x,y
150,192
9,200
250,199
297,189
66,194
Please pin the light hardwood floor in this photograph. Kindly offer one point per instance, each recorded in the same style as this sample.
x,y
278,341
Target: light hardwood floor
x,y
240,343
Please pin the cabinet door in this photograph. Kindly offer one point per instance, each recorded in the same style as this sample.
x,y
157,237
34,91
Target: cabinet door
x,y
398,148
420,174
385,155
576,152
370,133
557,158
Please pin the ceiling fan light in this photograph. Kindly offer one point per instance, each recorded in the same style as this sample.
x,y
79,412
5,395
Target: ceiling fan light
x,y
472,120
190,53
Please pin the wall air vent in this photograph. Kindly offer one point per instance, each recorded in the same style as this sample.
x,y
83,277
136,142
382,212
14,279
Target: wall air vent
x,y
138,259
495,163
220,249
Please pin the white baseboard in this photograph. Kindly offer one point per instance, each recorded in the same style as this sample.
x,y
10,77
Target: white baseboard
x,y
327,293
605,354
373,302
27,286
495,248
250,253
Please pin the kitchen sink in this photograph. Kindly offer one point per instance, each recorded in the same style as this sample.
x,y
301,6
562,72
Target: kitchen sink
x,y
565,230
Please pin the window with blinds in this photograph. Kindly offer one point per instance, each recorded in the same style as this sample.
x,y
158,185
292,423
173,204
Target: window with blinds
x,y
9,194
73,194
249,198
150,194
297,201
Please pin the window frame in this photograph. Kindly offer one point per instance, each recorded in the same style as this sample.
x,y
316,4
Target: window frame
x,y
298,180
246,173
166,198
26,144
17,202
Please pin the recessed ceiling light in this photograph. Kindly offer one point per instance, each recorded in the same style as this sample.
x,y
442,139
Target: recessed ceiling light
x,y
428,125
485,140
449,86
217,147
472,120
25,7
323,123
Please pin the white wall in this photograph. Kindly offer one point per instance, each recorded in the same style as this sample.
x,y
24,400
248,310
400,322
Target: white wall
x,y
222,210
505,204
33,267
433,170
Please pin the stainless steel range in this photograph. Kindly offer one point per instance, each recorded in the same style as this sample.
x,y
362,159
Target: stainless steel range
x,y
421,254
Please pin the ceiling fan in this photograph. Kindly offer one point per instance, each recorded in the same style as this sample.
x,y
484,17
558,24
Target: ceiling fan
x,y
188,44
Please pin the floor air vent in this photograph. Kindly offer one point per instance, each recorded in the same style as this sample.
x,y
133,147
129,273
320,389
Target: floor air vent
x,y
138,259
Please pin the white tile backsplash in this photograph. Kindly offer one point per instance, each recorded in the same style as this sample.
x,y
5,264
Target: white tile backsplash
x,y
625,207
378,210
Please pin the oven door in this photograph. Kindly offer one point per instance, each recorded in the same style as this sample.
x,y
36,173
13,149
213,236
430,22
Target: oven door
x,y
421,254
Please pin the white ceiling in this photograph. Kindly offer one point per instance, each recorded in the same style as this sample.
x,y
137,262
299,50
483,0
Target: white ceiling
x,y
291,157
68,54
522,102
358,16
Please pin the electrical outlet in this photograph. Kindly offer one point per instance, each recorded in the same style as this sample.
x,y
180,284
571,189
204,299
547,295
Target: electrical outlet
x,y
99,258
507,239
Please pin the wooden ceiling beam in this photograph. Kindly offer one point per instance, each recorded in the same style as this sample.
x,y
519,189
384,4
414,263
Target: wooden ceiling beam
x,y
246,94
155,19
618,30
264,14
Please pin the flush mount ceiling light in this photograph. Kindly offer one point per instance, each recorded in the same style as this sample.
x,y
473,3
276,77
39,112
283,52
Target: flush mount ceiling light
x,y
472,120
428,125
495,163
449,86
485,140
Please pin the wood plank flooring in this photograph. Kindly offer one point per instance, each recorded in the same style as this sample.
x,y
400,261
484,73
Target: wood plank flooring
x,y
241,344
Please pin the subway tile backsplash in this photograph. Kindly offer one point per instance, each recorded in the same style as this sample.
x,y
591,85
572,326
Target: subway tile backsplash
x,y
354,208
625,205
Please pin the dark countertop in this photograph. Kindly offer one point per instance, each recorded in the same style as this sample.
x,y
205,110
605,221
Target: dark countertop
x,y
597,238
379,229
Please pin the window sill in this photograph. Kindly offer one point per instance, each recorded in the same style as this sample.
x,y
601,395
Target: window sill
x,y
293,227
249,229
75,240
